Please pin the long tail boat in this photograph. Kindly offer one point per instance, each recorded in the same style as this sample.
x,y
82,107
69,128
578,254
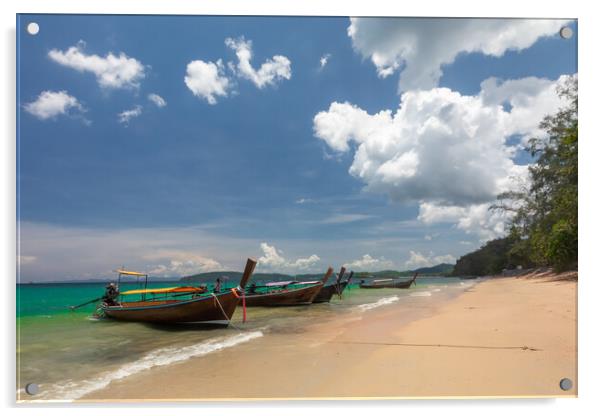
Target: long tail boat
x,y
388,283
346,283
178,305
328,291
291,293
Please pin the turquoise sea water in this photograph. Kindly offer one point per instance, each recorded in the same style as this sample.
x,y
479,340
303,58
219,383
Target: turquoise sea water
x,y
70,353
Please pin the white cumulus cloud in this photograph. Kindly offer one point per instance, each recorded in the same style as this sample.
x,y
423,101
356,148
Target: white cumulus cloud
x,y
441,148
475,219
112,71
271,71
419,47
125,116
272,259
51,104
157,100
324,60
207,80
417,260
169,263
305,263
369,263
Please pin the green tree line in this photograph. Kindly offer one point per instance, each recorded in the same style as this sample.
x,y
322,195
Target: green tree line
x,y
543,228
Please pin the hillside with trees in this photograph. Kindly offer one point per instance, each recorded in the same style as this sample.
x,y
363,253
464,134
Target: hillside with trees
x,y
544,225
442,269
493,257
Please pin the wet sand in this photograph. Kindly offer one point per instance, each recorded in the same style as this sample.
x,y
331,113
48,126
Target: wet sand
x,y
503,337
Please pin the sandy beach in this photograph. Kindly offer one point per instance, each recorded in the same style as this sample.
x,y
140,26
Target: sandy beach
x,y
503,337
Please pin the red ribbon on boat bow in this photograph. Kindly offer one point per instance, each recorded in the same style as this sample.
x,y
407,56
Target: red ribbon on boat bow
x,y
244,304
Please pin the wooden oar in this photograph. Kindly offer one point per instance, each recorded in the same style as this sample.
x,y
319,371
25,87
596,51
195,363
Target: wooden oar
x,y
84,304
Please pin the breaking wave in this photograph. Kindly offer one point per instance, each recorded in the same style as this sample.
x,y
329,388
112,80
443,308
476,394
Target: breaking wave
x,y
421,294
378,303
72,390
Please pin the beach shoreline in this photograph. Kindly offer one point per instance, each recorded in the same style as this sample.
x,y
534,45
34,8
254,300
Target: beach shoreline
x,y
502,337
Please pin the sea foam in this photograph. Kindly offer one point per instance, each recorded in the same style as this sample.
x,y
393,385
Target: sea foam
x,y
72,390
378,303
421,294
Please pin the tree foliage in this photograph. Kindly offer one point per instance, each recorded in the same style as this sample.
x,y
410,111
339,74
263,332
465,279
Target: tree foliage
x,y
489,259
544,227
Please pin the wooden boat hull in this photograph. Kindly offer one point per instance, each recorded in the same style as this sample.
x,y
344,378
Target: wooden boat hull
x,y
202,310
292,297
398,285
327,292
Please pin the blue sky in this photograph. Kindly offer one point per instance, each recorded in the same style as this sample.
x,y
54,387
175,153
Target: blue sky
x,y
251,174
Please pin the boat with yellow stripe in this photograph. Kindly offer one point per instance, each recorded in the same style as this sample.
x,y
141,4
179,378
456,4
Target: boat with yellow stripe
x,y
175,305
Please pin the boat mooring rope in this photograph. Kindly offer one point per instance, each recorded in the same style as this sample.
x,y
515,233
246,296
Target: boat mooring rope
x,y
215,298
485,347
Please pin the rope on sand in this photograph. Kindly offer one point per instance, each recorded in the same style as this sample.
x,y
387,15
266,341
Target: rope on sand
x,y
485,347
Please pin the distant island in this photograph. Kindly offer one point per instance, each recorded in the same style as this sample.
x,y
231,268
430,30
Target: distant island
x,y
95,280
442,269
